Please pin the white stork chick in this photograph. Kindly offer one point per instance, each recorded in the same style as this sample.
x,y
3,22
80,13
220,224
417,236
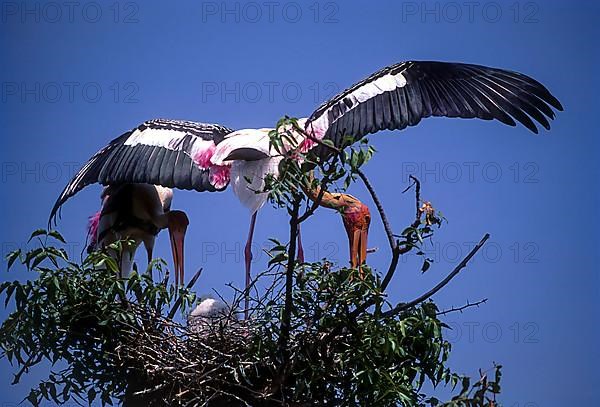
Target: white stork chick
x,y
208,314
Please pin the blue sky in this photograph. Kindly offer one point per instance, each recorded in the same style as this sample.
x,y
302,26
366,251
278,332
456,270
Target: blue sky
x,y
74,78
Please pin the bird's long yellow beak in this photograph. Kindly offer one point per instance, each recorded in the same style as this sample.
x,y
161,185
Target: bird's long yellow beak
x,y
178,223
177,242
358,247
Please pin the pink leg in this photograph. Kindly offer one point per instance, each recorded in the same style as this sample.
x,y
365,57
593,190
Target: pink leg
x,y
300,249
248,260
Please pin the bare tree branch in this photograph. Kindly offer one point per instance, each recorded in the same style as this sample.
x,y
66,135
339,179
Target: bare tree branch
x,y
289,281
398,251
392,268
417,185
460,309
379,205
404,306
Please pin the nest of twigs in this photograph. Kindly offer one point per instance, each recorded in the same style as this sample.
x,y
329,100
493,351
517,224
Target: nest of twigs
x,y
172,363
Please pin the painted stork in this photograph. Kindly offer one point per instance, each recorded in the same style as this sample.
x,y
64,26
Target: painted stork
x,y
356,217
207,157
138,212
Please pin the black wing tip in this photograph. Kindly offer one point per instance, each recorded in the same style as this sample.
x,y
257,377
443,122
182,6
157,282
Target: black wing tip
x,y
553,102
549,97
557,105
546,95
541,93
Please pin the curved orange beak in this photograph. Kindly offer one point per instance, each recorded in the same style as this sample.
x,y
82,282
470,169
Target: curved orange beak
x,y
178,223
357,219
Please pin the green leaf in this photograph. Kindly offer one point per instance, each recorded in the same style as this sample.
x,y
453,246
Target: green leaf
x,y
279,258
56,283
33,398
91,395
12,256
38,232
32,254
38,259
9,292
328,143
57,236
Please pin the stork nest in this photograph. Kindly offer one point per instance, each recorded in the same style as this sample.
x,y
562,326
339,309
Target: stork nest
x,y
331,352
171,363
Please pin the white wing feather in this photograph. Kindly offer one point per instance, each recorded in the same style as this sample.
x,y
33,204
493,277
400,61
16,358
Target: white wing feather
x,y
246,139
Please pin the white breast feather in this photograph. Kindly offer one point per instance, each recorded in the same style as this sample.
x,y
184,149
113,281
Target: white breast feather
x,y
248,177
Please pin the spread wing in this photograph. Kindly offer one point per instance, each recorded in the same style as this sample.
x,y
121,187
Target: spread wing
x,y
171,153
402,94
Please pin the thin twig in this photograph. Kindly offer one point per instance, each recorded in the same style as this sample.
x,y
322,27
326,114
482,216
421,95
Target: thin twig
x,y
404,306
378,204
460,309
398,251
417,185
317,201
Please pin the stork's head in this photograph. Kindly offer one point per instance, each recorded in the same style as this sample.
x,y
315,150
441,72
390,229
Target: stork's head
x,y
357,218
177,224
